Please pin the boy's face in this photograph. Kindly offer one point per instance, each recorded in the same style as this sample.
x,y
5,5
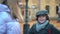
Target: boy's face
x,y
42,19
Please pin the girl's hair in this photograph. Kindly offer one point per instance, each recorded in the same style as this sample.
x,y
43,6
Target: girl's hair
x,y
14,15
47,17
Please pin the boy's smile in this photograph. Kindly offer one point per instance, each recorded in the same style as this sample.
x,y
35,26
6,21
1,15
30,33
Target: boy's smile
x,y
42,19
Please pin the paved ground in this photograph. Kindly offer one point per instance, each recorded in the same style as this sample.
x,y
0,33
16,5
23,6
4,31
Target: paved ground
x,y
54,22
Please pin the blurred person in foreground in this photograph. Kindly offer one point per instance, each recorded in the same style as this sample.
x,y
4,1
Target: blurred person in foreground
x,y
42,26
8,23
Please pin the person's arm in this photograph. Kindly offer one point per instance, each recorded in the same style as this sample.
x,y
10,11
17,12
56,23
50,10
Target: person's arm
x,y
13,28
55,31
2,26
3,17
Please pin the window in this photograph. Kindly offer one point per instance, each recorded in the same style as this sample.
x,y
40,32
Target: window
x,y
47,8
56,9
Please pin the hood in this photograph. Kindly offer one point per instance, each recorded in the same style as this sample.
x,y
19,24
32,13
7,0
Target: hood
x,y
4,8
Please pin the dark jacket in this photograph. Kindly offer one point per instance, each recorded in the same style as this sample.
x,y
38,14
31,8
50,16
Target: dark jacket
x,y
49,29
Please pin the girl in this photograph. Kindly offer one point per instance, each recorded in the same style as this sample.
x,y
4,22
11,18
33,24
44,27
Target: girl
x,y
42,25
8,24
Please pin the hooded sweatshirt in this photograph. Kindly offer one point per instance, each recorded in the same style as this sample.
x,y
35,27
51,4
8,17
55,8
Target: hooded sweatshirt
x,y
7,24
4,18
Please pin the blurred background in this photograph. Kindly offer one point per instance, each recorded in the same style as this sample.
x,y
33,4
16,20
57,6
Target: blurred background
x,y
19,8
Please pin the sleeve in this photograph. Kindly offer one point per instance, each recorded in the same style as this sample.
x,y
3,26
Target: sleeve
x,y
13,28
2,25
54,30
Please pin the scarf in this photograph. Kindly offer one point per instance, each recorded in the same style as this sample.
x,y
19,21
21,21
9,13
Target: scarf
x,y
41,26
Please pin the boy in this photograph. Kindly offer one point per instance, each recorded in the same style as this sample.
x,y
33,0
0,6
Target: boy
x,y
42,25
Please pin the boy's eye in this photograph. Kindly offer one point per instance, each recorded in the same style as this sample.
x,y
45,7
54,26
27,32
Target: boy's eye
x,y
42,16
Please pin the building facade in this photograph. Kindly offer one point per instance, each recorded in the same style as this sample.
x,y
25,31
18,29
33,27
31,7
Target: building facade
x,y
18,7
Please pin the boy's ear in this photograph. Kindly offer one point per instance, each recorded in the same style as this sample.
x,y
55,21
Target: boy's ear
x,y
47,17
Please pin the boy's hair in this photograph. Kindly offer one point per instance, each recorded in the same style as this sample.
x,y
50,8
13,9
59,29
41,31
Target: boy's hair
x,y
47,17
